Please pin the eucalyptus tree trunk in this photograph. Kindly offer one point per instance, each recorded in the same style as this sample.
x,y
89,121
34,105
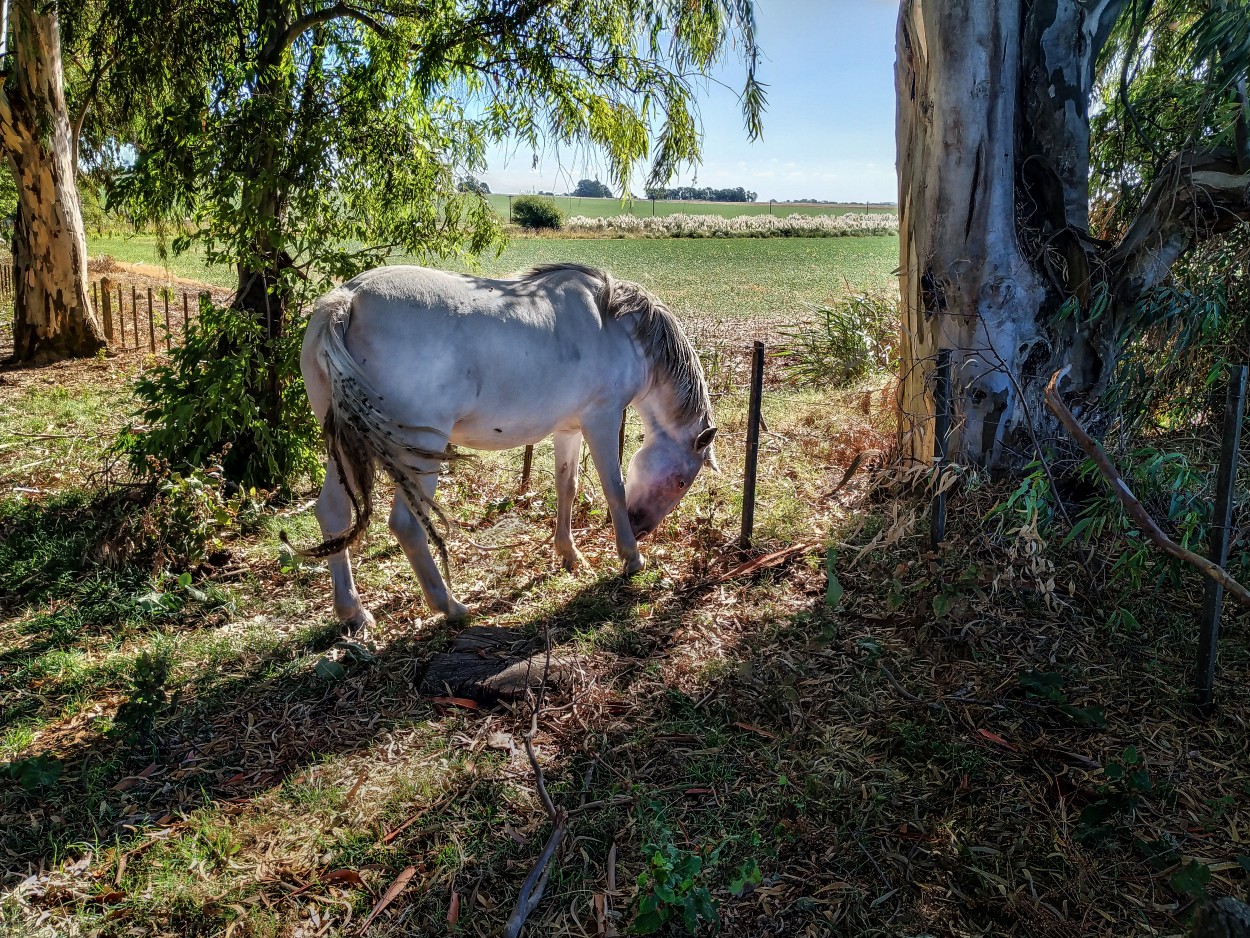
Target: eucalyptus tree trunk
x,y
997,263
52,311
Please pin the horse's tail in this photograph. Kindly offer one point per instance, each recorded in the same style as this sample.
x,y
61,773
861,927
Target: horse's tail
x,y
359,434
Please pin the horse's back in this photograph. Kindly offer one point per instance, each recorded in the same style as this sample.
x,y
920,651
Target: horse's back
x,y
499,360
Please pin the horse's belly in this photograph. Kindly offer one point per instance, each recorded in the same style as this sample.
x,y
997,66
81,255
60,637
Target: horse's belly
x,y
479,432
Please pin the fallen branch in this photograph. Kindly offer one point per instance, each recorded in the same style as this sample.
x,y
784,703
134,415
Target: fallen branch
x,y
536,882
1135,508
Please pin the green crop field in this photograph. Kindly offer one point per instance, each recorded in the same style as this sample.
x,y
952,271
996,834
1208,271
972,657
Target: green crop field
x,y
605,208
750,277
765,277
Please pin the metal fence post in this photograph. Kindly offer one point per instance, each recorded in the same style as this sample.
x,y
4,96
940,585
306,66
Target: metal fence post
x,y
753,444
1221,522
941,441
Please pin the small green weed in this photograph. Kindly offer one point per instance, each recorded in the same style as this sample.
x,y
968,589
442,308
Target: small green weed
x,y
671,888
147,698
33,774
1118,798
1048,686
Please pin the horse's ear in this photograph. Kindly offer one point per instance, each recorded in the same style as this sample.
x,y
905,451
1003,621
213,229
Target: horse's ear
x,y
705,439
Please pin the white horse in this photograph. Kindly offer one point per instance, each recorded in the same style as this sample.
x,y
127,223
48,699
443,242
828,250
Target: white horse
x,y
401,361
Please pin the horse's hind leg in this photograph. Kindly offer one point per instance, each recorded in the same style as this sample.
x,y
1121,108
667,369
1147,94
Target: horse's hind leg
x,y
568,461
411,535
334,514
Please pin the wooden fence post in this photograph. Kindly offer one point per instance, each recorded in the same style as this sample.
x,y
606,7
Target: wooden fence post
x,y
151,325
186,313
526,466
753,444
165,296
134,312
121,313
1221,523
106,307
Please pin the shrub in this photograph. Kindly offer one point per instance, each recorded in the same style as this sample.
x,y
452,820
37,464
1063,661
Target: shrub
x,y
534,211
844,342
204,402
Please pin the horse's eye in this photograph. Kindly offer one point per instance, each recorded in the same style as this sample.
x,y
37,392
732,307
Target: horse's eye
x,y
681,483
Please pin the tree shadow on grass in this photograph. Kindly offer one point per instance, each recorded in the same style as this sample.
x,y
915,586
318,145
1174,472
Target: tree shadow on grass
x,y
247,727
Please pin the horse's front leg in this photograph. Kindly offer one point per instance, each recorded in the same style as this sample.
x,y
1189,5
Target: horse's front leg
x,y
334,514
603,437
410,533
568,444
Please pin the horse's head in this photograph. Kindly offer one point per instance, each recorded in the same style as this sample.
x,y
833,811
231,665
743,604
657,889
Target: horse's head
x,y
662,471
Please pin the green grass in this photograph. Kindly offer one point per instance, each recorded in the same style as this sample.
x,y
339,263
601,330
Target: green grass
x,y
746,277
743,277
146,249
608,208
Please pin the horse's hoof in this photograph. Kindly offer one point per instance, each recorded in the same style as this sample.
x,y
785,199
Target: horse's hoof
x,y
360,626
634,565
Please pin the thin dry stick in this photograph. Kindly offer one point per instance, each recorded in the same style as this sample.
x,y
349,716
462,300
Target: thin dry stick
x,y
536,882
1135,508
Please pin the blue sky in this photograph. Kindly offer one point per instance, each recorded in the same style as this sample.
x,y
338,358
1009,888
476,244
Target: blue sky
x,y
828,130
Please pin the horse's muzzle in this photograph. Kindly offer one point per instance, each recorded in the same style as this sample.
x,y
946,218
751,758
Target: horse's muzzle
x,y
638,525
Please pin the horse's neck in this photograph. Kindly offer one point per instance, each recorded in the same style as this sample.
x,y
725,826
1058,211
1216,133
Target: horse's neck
x,y
658,407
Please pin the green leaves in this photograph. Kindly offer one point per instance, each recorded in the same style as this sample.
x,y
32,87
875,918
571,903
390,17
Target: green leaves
x,y
1192,879
749,876
833,591
204,403
670,888
33,774
1048,685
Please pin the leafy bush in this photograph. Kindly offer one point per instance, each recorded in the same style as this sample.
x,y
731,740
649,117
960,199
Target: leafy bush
x,y
204,402
535,211
844,342
185,520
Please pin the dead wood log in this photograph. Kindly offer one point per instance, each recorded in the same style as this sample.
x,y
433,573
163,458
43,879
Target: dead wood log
x,y
1224,918
487,664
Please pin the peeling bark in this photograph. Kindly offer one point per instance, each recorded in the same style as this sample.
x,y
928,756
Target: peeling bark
x,y
53,317
963,276
993,158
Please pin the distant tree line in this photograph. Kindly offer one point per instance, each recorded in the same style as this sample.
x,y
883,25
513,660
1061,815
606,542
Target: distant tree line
x,y
706,194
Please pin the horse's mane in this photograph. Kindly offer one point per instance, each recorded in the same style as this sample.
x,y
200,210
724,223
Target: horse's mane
x,y
656,328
